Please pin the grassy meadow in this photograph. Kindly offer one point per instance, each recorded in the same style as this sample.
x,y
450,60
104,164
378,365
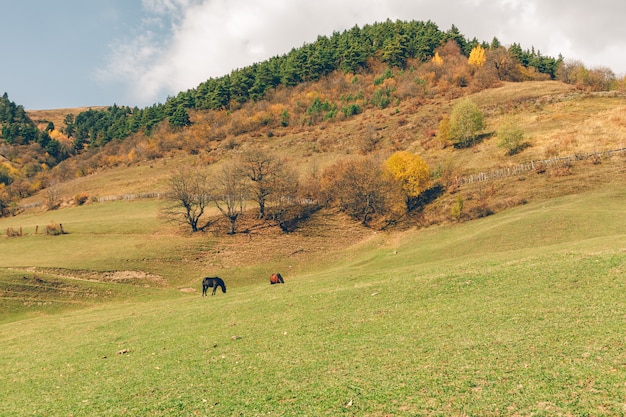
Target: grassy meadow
x,y
520,313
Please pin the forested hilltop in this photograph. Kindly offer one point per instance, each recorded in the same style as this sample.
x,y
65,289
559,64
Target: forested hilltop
x,y
373,67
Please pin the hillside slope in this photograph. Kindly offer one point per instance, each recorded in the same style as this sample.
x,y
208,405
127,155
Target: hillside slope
x,y
557,121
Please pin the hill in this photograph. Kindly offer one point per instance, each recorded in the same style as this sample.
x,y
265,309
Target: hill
x,y
497,293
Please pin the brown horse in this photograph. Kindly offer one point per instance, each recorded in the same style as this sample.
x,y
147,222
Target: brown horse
x,y
276,279
212,282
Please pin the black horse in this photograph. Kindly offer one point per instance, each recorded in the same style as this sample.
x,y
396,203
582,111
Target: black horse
x,y
212,282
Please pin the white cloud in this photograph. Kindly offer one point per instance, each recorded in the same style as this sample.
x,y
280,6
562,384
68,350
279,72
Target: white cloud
x,y
181,43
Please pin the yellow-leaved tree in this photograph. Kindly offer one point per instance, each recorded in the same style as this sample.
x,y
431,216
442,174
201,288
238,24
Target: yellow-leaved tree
x,y
411,173
437,59
477,56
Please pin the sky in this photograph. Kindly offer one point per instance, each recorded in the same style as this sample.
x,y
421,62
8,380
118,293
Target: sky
x,y
77,53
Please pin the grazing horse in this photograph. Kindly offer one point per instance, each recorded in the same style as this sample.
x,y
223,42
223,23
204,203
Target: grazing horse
x,y
212,282
276,279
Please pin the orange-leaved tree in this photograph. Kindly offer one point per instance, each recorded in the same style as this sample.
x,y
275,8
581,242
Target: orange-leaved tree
x,y
357,187
411,173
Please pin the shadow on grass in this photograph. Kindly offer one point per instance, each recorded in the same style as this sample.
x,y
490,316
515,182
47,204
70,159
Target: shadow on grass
x,y
418,203
473,141
518,149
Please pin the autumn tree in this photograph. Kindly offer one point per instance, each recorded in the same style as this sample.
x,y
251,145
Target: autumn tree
x,y
505,64
411,173
595,79
284,191
358,187
5,175
466,121
189,196
477,56
228,194
285,207
449,67
437,59
443,130
5,200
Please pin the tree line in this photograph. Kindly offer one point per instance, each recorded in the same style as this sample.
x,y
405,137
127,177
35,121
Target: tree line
x,y
19,129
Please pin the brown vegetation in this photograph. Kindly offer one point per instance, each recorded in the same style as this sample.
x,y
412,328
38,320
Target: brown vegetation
x,y
314,130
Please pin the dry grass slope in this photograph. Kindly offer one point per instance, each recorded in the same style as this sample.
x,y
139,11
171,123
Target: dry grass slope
x,y
556,119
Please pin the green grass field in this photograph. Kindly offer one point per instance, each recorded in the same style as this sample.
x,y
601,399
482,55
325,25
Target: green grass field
x,y
517,314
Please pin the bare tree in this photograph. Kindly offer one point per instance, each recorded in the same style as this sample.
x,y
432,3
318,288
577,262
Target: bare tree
x,y
286,207
229,194
265,173
189,194
53,196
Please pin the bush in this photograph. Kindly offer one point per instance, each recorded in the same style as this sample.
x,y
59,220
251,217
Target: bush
x,y
351,110
457,208
81,199
54,229
14,233
511,137
382,97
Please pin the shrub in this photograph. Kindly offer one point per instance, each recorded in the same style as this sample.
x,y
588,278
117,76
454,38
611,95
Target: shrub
x,y
382,97
14,233
54,229
351,110
385,75
81,199
511,137
457,208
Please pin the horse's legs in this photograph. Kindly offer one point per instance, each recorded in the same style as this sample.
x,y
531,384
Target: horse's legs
x,y
214,288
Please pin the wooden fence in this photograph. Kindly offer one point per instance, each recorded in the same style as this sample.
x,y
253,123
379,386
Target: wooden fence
x,y
131,197
533,165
